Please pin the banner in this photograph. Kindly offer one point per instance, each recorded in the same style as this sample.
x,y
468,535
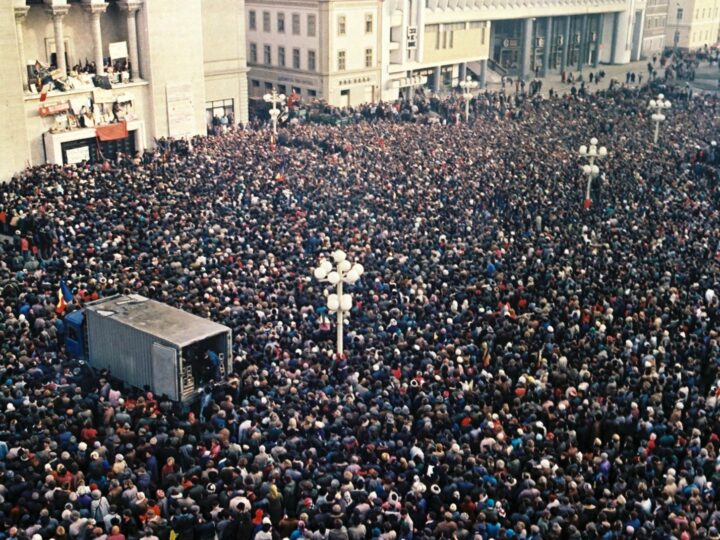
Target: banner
x,y
181,112
118,50
112,132
78,155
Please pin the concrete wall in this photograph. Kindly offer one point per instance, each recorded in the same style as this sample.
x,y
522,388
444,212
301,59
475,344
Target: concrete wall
x,y
223,23
171,51
14,152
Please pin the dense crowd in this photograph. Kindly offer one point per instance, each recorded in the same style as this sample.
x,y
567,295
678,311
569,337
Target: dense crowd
x,y
517,366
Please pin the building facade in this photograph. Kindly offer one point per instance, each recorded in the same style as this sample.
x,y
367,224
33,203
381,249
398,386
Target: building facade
x,y
444,40
654,33
693,24
92,78
322,49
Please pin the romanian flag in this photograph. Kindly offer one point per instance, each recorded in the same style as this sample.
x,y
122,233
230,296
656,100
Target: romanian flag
x,y
65,296
272,143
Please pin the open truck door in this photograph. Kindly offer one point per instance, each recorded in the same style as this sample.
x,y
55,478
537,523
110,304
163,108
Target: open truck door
x,y
165,371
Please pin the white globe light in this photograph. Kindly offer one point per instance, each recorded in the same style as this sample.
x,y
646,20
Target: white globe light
x,y
339,256
346,303
595,169
345,265
586,169
333,303
352,276
667,105
592,151
583,149
593,141
333,278
282,97
603,151
320,273
653,103
661,96
326,265
359,269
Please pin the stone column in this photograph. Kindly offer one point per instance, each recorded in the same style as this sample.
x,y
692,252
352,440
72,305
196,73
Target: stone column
x,y
57,13
527,48
131,7
548,45
436,80
95,9
566,42
598,39
482,76
20,14
584,45
462,71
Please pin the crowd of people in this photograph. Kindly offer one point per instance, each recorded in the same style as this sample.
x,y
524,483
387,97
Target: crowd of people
x,y
516,365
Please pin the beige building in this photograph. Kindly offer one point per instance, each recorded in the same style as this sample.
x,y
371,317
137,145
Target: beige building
x,y
167,68
316,49
692,24
655,30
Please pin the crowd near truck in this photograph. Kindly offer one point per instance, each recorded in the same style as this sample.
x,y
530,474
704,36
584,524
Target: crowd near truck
x,y
148,344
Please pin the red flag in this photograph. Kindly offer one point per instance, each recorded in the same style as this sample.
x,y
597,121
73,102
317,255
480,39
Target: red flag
x,y
587,204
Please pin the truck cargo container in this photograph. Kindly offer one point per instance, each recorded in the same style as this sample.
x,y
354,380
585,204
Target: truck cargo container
x,y
145,343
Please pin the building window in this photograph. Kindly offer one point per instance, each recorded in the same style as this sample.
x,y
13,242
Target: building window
x,y
253,53
296,58
266,21
369,23
268,86
680,13
296,90
255,83
267,54
281,23
253,20
282,89
281,56
342,25
312,93
224,108
368,58
296,24
311,25
341,61
311,61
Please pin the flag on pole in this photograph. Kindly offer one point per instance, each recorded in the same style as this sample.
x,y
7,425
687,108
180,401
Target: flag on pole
x,y
65,296
272,142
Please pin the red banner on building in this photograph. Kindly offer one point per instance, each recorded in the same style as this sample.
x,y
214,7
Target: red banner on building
x,y
112,132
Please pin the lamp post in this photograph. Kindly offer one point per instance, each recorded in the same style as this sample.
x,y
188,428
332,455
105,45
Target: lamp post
x,y
590,169
339,302
658,106
468,85
274,98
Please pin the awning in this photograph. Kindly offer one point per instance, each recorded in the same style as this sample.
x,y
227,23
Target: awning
x,y
112,132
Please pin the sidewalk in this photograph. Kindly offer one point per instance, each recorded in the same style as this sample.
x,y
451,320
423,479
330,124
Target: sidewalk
x,y
554,81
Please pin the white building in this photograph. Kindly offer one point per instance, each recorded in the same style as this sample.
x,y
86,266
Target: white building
x,y
179,64
440,40
317,49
